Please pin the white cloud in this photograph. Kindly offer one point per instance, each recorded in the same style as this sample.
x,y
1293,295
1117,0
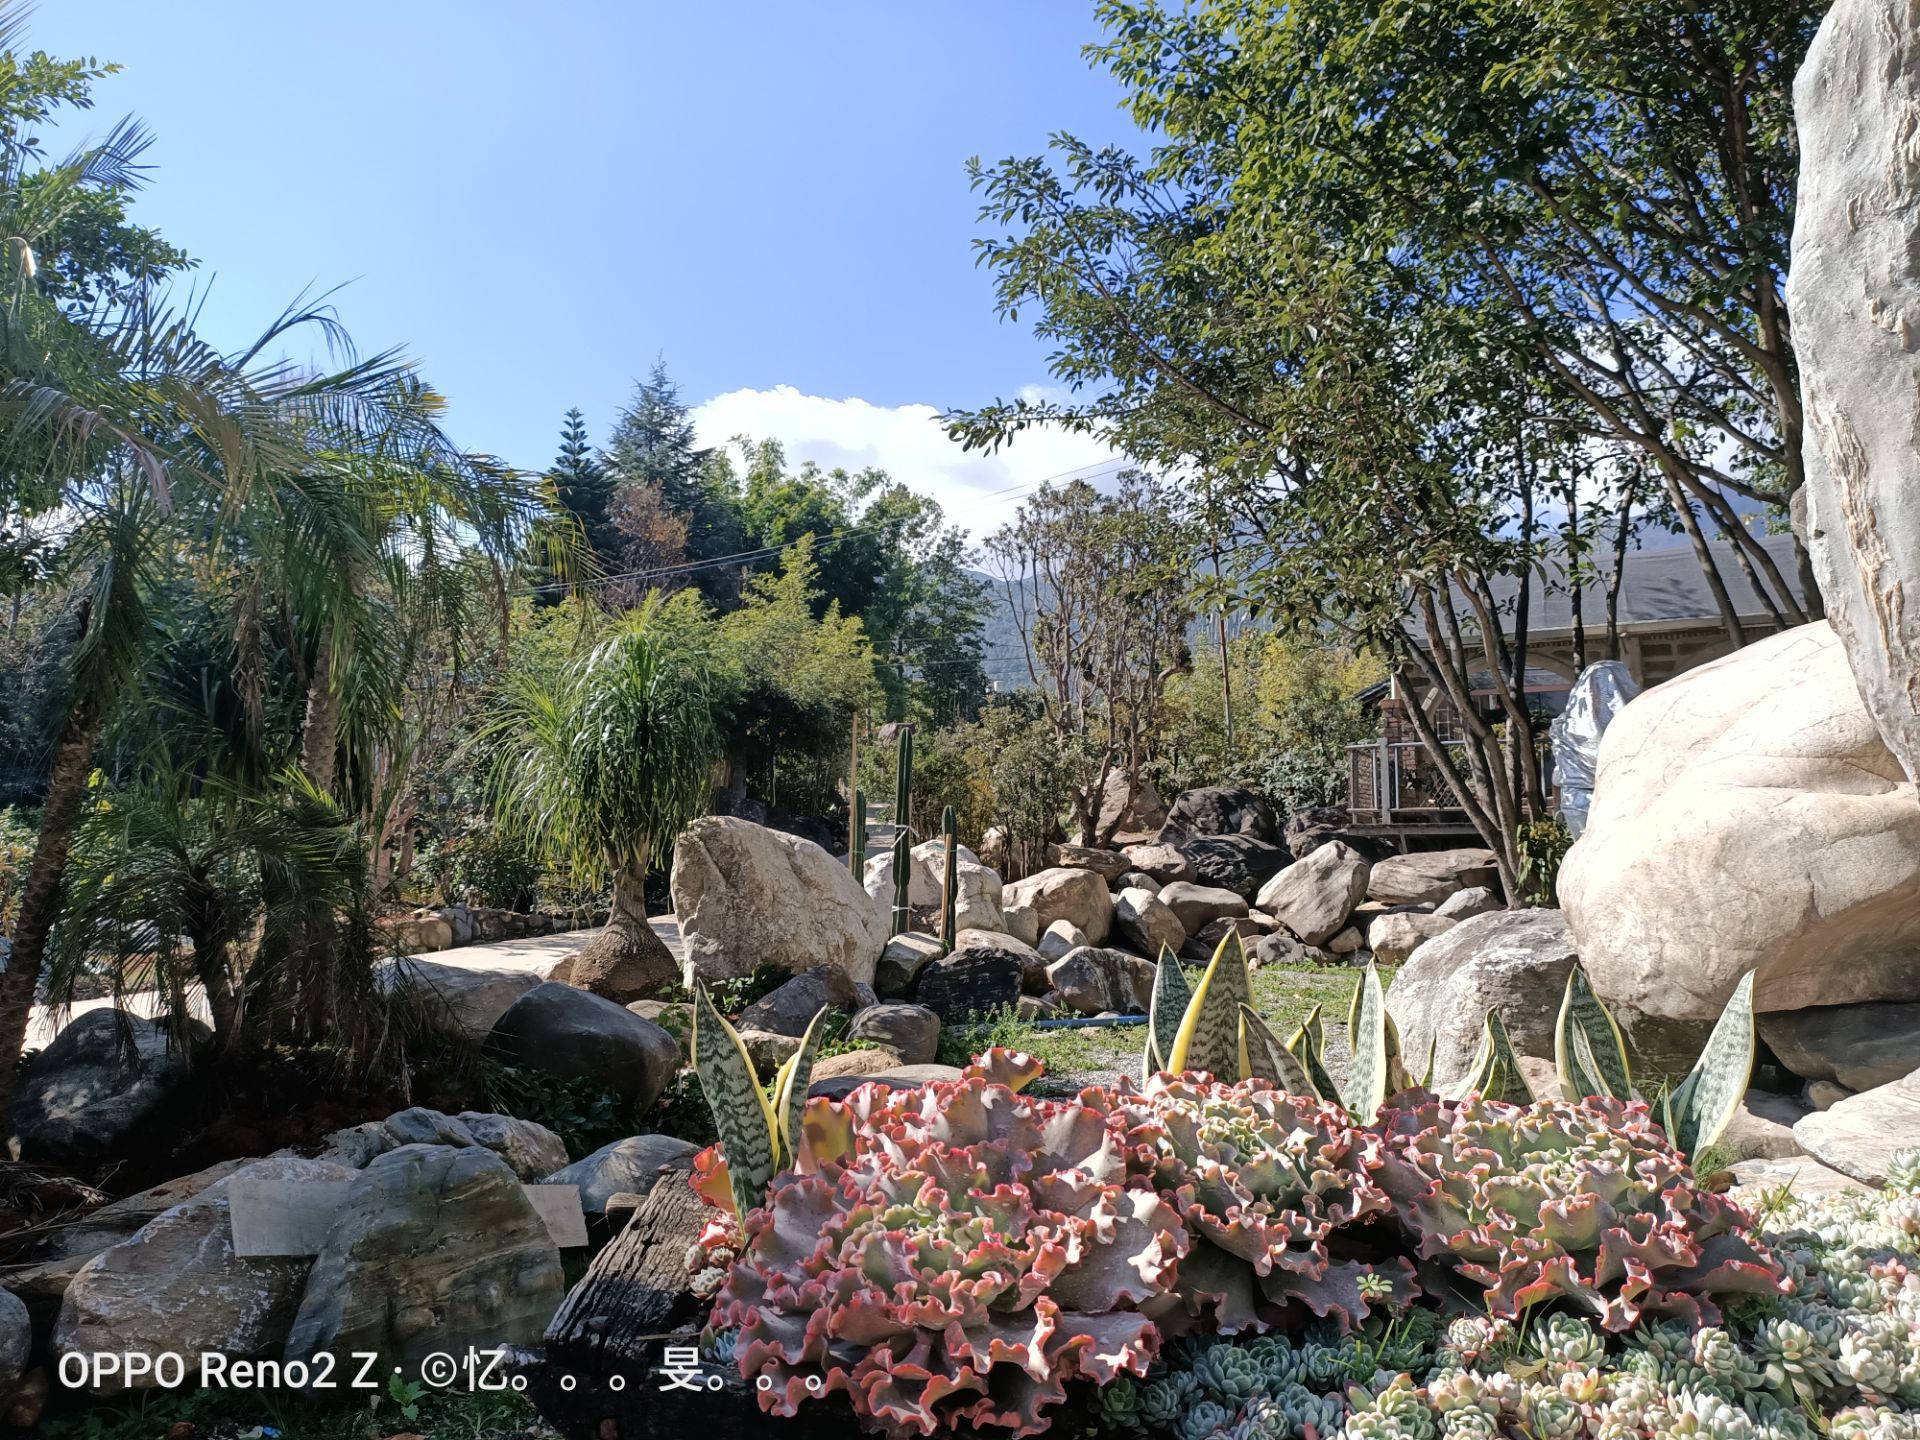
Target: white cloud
x,y
977,490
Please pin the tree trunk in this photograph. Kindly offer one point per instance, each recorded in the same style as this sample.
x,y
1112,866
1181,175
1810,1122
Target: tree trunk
x,y
40,895
320,736
626,960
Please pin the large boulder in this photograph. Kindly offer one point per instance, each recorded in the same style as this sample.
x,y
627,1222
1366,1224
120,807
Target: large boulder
x,y
1146,923
1430,876
465,1002
1747,817
1861,1046
1063,893
911,1031
1513,961
177,1285
1130,807
1093,980
1854,293
1313,896
433,1249
632,1166
90,1090
790,1007
1860,1135
570,1033
1108,864
906,954
1239,863
1222,810
983,975
1161,860
1196,906
926,872
747,896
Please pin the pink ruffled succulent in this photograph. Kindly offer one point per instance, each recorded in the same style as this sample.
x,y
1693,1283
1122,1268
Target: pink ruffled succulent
x,y
1278,1192
1583,1203
968,1252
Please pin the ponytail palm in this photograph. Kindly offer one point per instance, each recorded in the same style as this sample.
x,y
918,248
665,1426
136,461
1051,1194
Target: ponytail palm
x,y
601,766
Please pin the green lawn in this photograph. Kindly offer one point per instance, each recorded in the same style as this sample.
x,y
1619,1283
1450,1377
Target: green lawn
x,y
1077,1057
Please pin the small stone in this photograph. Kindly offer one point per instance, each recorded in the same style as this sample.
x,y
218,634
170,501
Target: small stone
x,y
790,1008
1064,893
906,1077
1825,1094
1347,941
768,1049
1278,948
1037,1007
1136,880
876,1060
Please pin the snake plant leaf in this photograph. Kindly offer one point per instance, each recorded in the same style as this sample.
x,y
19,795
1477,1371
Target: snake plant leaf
x,y
1433,1053
1399,1077
1353,1005
1263,1057
1368,1077
1312,1026
1479,1072
1584,1019
790,1090
1165,1010
1513,1087
1319,1083
1209,1034
741,1115
1706,1101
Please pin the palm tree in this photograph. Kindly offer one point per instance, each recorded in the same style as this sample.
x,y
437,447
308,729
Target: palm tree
x,y
600,767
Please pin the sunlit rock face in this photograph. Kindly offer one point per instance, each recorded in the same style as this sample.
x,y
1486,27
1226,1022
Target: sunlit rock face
x,y
1854,296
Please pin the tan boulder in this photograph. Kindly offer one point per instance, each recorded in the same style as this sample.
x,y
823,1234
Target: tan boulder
x,y
1063,893
1747,816
1314,896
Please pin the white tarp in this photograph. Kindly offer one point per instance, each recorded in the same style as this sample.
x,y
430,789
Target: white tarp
x,y
1597,696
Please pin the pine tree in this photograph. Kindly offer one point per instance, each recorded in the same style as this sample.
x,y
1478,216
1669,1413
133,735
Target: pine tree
x,y
653,446
585,490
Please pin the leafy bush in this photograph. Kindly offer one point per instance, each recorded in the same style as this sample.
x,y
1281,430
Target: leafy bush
x,y
486,868
581,1113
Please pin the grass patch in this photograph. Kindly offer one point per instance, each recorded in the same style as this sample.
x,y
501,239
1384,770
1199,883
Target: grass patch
x,y
1284,996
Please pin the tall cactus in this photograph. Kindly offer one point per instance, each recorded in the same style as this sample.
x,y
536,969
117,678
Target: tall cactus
x,y
903,779
902,864
950,890
857,835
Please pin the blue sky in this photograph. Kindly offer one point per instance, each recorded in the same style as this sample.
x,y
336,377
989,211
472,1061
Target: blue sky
x,y
771,195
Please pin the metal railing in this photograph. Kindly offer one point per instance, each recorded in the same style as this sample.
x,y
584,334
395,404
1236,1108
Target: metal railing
x,y
1385,778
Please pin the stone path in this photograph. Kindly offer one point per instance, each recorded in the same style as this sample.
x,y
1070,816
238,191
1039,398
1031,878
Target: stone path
x,y
534,953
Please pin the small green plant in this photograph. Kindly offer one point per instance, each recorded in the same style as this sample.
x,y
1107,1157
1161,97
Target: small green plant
x,y
584,1115
950,881
1542,846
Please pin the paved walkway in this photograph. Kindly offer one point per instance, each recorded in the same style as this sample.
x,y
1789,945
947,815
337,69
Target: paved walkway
x,y
534,953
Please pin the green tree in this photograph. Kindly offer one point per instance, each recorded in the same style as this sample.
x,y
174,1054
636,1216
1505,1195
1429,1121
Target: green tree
x,y
584,491
653,447
601,766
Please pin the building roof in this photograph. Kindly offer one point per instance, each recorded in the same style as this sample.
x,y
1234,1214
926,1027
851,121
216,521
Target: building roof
x,y
1663,586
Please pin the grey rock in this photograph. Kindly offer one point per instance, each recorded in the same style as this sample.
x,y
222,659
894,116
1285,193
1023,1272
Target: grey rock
x,y
1162,861
1222,810
1279,948
906,1077
1465,904
980,978
1209,936
177,1285
746,895
768,1049
900,962
1801,1176
1093,981
911,1030
1313,897
468,1003
1861,1046
1238,863
634,1165
875,1060
1854,293
1762,1128
1038,1007
568,1032
790,1008
1860,1134
1022,922
1130,808
530,1150
1309,828
1062,936
1135,880
1061,893
1196,906
1432,875
1393,938
1824,1094
1146,923
1104,863
16,1341
1513,961
434,1249
89,1091
1348,941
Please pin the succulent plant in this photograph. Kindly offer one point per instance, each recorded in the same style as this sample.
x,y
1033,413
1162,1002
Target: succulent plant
x,y
971,1252
902,880
1117,1404
757,1136
1584,1204
950,877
